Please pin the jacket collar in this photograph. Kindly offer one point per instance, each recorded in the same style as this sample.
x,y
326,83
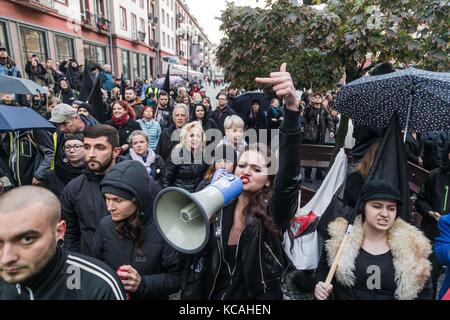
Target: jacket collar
x,y
410,250
47,275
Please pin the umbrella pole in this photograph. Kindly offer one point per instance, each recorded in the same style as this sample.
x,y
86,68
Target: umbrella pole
x,y
337,258
407,119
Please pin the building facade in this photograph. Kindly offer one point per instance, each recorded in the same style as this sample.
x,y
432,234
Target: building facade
x,y
131,35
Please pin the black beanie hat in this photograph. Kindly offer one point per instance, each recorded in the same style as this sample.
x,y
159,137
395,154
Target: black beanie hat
x,y
124,194
88,107
381,190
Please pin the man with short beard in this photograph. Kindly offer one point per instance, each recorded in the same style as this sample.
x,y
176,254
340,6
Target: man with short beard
x,y
134,101
33,263
82,201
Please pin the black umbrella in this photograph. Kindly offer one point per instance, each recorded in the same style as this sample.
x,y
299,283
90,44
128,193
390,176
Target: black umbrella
x,y
20,86
242,104
17,118
421,99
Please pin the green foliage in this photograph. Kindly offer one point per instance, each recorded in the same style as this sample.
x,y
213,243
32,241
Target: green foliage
x,y
320,46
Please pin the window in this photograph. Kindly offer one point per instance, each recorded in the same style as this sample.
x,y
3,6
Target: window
x,y
135,63
126,64
141,3
64,48
168,42
3,37
94,54
33,42
133,23
100,8
164,39
171,24
144,72
167,20
123,18
163,16
142,25
173,44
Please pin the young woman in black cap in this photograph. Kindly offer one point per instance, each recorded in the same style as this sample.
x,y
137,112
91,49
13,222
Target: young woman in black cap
x,y
127,240
385,258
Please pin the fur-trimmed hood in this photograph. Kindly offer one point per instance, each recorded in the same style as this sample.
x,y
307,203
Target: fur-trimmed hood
x,y
410,250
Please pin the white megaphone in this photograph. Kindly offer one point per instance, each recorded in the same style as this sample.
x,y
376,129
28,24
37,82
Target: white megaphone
x,y
182,218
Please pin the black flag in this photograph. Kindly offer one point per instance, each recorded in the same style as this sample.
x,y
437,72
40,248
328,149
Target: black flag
x,y
96,100
166,86
123,86
390,165
86,84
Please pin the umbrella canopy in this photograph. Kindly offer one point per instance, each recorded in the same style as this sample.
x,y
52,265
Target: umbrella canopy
x,y
421,98
19,86
17,118
174,80
243,103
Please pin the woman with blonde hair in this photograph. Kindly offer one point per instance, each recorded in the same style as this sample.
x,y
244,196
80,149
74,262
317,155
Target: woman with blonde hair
x,y
185,166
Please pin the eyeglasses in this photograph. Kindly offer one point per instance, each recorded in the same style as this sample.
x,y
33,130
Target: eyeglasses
x,y
76,147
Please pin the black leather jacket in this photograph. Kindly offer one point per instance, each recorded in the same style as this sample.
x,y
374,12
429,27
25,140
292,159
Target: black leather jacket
x,y
261,255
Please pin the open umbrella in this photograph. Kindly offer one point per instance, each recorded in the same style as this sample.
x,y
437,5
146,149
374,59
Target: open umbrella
x,y
19,86
243,103
174,80
17,118
421,99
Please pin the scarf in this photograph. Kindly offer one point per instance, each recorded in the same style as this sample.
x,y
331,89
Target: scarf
x,y
120,122
150,159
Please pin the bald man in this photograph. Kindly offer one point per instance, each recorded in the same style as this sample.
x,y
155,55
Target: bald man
x,y
33,264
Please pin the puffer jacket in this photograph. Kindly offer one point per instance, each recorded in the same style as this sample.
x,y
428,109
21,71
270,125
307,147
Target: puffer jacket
x,y
185,174
156,262
260,253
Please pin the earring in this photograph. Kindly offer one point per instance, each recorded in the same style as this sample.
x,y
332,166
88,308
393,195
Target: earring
x,y
60,243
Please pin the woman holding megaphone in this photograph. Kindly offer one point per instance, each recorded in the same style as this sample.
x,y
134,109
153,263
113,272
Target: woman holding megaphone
x,y
243,258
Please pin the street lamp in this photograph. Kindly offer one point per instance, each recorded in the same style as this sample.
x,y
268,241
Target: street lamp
x,y
190,35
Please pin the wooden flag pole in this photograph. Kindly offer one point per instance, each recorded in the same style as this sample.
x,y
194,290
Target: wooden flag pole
x,y
337,258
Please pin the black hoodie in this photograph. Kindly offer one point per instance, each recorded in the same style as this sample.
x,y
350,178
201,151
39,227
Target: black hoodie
x,y
67,276
435,195
156,262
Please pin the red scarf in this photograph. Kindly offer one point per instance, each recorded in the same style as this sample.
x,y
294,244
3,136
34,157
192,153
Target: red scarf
x,y
120,122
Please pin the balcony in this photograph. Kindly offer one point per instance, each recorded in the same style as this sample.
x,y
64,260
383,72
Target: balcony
x,y
40,5
94,22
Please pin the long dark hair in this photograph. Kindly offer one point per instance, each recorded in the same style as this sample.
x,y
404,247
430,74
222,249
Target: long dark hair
x,y
132,228
259,201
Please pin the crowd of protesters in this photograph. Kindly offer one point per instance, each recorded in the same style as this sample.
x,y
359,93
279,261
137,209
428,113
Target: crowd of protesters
x,y
102,178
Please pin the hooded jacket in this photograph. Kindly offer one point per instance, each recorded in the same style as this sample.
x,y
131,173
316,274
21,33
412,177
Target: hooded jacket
x,y
68,276
260,256
82,207
434,195
410,251
156,262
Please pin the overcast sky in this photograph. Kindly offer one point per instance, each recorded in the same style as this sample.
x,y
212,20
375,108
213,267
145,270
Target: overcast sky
x,y
207,11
